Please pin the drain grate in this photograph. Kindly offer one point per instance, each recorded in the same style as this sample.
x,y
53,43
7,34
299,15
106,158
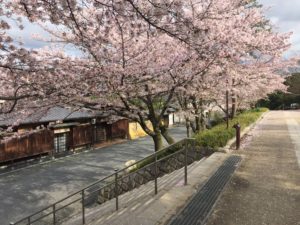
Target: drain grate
x,y
199,208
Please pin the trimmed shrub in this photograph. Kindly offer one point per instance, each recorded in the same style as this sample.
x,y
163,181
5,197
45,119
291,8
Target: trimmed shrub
x,y
219,135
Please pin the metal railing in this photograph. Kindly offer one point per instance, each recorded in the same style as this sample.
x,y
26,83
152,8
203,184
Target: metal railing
x,y
121,181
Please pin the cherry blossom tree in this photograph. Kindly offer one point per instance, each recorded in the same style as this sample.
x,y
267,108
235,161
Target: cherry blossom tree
x,y
138,55
15,65
251,60
131,68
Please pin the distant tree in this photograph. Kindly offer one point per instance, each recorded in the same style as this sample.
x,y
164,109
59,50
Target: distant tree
x,y
293,83
283,100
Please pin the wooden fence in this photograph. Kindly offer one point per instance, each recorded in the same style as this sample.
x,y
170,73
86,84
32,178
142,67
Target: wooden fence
x,y
43,142
82,135
119,129
26,146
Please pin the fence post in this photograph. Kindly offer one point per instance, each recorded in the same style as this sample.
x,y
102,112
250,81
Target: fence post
x,y
237,128
54,216
185,162
116,189
29,222
155,181
83,209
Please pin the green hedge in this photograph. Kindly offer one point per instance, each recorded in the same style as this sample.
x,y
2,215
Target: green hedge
x,y
218,136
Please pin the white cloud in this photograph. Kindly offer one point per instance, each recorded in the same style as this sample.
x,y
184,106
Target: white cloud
x,y
274,20
285,16
25,35
31,29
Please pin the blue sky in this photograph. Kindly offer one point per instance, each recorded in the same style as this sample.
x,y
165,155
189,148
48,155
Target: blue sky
x,y
26,36
284,14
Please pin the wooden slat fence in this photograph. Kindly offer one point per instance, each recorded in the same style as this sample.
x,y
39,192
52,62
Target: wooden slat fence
x,y
82,135
26,146
100,135
119,129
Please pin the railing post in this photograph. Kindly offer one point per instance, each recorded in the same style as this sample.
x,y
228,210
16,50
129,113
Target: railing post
x,y
185,162
54,216
116,189
156,174
28,220
83,209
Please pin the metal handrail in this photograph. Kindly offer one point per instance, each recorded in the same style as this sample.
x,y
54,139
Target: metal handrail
x,y
115,175
136,171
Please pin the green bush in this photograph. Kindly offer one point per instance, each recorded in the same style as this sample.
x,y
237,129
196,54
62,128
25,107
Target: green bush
x,y
219,135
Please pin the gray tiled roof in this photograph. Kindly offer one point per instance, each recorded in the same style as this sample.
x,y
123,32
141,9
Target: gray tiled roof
x,y
59,113
52,114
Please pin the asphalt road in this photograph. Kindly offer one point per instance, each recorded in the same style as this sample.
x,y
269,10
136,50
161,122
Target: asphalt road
x,y
27,190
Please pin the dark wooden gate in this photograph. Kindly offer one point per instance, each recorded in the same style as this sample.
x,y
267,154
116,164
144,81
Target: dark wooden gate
x,y
119,129
82,135
100,134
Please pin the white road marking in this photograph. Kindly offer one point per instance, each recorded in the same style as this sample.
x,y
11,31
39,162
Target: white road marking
x,y
294,130
134,207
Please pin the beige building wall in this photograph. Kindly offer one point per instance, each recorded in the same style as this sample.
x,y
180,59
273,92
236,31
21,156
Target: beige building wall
x,y
136,131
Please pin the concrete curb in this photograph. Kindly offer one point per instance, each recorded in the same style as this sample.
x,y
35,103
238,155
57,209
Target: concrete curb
x,y
228,148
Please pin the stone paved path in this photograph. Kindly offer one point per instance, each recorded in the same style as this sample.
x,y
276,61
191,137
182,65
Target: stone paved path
x,y
25,191
265,190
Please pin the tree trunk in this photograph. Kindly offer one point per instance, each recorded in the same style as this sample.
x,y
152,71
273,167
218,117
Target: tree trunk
x,y
202,122
165,133
197,119
202,118
233,106
158,141
233,101
187,125
227,109
198,123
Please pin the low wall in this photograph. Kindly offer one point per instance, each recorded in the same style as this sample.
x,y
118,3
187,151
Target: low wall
x,y
168,164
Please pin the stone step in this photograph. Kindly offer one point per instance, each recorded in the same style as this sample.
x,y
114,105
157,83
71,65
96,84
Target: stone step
x,y
135,200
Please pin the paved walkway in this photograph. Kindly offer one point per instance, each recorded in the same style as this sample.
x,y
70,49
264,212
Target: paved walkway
x,y
25,191
266,187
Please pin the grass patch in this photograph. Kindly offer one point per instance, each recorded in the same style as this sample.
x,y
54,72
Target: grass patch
x,y
218,136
